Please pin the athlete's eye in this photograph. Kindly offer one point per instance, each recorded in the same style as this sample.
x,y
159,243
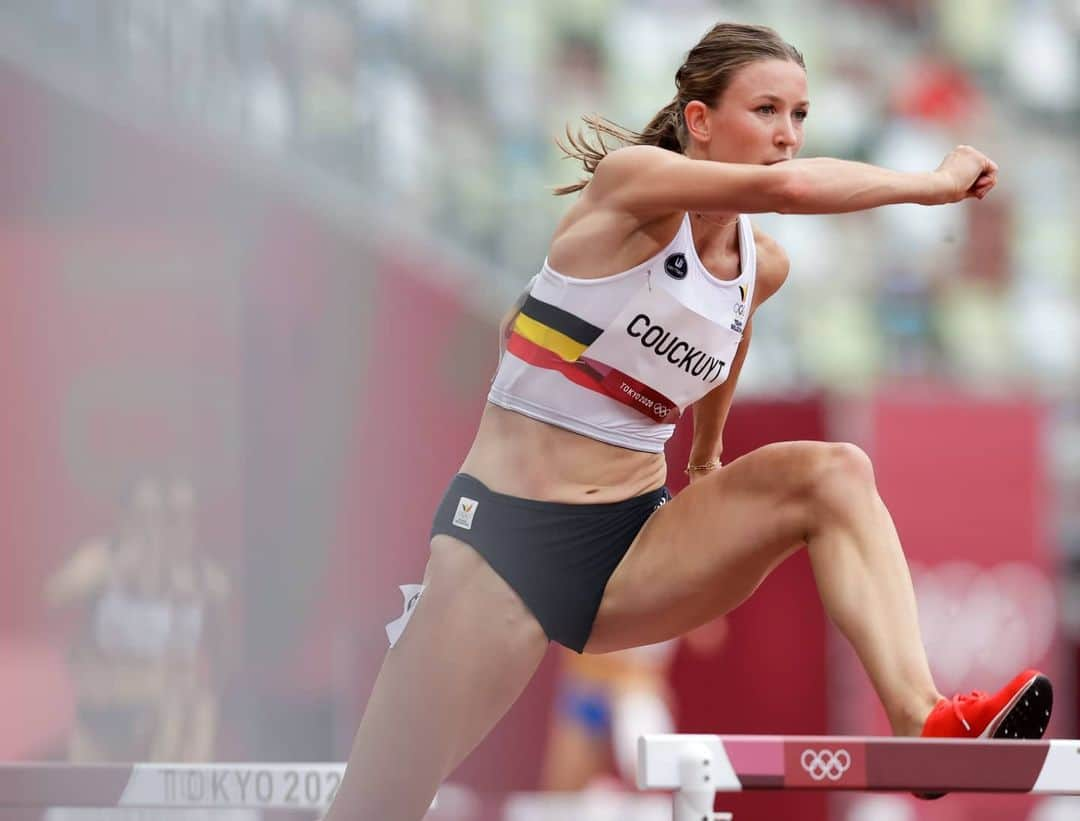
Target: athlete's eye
x,y
766,109
801,115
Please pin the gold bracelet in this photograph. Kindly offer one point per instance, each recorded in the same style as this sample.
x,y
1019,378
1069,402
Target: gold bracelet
x,y
712,464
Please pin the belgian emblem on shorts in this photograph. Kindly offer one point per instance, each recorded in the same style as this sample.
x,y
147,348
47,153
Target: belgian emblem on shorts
x,y
466,509
675,265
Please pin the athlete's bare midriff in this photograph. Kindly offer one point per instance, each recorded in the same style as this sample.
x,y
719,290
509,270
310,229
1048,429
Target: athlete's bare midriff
x,y
522,457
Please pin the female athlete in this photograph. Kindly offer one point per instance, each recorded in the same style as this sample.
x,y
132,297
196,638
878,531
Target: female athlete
x,y
558,526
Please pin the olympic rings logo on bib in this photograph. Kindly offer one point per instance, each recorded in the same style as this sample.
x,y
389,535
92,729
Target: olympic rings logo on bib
x,y
822,764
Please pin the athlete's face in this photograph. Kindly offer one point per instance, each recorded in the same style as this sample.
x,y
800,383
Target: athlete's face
x,y
760,116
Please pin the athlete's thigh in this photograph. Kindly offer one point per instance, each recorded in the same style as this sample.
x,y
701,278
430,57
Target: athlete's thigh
x,y
468,650
470,647
489,642
707,549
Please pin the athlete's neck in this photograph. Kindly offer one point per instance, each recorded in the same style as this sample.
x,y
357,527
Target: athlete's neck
x,y
723,222
711,229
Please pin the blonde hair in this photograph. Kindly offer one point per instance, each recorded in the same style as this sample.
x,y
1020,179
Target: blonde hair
x,y
705,75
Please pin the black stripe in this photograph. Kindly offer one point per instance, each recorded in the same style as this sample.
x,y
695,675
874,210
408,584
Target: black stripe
x,y
557,319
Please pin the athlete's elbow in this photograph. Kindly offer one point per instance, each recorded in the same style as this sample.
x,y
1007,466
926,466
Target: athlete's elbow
x,y
791,191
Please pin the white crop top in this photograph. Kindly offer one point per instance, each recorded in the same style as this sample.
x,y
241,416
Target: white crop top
x,y
146,627
619,358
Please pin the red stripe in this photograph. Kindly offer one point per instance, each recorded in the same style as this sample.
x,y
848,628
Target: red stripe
x,y
530,352
614,384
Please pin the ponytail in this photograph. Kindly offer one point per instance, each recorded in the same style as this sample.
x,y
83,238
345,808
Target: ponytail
x,y
664,130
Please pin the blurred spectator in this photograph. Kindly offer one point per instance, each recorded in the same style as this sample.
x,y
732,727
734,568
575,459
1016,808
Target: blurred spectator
x,y
325,50
198,590
936,89
1043,57
142,660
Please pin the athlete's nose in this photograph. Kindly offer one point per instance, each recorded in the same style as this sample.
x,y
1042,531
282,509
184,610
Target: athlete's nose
x,y
785,133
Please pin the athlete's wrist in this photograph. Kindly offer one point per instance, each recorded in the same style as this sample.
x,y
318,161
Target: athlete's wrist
x,y
940,188
696,469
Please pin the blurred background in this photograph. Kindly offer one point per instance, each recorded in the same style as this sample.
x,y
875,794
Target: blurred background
x,y
252,258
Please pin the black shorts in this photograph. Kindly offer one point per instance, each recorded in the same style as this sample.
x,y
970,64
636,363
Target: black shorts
x,y
556,556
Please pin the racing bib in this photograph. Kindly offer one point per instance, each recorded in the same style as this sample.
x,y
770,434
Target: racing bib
x,y
658,347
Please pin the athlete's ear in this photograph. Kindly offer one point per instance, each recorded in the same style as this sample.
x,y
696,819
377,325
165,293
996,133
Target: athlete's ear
x,y
696,114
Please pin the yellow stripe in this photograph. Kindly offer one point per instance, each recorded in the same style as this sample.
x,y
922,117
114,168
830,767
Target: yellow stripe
x,y
545,337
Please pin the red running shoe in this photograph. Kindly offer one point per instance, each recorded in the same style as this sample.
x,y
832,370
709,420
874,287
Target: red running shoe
x,y
1021,709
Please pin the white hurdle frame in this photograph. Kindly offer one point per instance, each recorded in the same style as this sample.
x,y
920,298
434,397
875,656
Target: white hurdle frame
x,y
696,767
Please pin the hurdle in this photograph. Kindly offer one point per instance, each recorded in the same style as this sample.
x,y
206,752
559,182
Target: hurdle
x,y
170,786
696,767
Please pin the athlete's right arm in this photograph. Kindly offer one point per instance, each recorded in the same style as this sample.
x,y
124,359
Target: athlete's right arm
x,y
84,573
647,181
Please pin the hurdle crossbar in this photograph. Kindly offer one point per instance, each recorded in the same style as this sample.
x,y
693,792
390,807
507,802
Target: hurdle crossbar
x,y
696,767
164,786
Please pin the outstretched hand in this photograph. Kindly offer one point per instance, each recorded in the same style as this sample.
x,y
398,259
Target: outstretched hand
x,y
969,172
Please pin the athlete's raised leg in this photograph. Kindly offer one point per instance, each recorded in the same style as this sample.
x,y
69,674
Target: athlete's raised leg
x,y
466,655
707,550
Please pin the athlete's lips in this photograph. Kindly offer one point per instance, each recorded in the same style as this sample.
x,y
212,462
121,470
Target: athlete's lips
x,y
774,162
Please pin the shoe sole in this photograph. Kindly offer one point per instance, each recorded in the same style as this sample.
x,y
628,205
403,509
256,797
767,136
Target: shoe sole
x,y
1027,714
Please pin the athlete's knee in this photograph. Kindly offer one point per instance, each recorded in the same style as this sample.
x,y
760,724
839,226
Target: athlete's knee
x,y
843,475
852,462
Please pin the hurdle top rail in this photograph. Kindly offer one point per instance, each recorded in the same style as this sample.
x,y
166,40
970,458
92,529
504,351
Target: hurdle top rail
x,y
696,767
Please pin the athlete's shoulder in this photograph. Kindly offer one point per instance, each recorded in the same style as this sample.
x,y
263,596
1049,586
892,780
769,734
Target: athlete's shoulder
x,y
772,264
628,160
633,155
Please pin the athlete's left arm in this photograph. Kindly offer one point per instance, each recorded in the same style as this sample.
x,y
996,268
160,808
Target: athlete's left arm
x,y
711,411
